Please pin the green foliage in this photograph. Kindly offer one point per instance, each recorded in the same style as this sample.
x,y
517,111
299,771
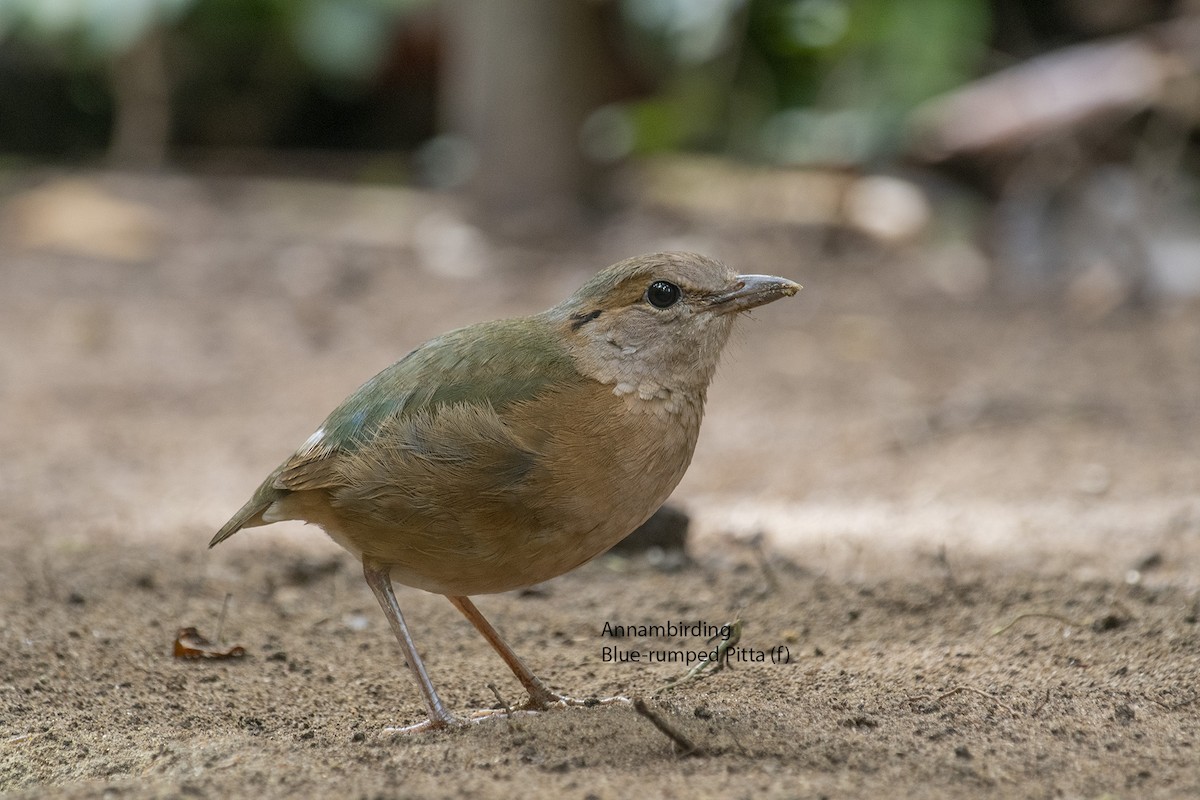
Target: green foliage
x,y
803,81
87,28
785,81
344,39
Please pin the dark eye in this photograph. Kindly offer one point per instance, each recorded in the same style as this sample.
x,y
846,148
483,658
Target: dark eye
x,y
663,294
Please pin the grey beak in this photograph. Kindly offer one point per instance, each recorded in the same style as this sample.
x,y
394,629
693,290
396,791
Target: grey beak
x,y
751,291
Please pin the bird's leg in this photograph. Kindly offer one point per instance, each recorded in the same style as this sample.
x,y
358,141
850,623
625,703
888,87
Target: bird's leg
x,y
380,580
540,697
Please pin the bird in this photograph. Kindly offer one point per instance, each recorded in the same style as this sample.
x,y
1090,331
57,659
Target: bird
x,y
505,453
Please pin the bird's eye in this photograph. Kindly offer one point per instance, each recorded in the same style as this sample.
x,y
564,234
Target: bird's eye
x,y
663,294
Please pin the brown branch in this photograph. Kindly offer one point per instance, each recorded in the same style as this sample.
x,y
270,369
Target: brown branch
x,y
683,745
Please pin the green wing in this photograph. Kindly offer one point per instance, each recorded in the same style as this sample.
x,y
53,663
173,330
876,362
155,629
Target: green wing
x,y
492,364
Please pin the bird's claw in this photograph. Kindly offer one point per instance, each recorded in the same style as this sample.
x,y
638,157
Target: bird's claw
x,y
552,700
425,725
531,707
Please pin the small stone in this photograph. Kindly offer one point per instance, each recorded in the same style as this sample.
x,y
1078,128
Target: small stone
x,y
666,530
1149,562
1109,622
356,622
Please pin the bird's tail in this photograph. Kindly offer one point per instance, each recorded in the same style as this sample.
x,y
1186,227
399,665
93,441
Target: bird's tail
x,y
250,515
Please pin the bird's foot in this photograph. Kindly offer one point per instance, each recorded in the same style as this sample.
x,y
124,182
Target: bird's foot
x,y
422,727
461,722
544,701
458,722
428,725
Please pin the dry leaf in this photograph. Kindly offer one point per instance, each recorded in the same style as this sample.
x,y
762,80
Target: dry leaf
x,y
190,644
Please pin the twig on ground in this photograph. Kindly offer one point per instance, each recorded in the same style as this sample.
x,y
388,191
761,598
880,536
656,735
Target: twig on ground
x,y
221,617
721,661
942,559
683,745
504,704
499,699
1038,615
980,692
1175,706
764,563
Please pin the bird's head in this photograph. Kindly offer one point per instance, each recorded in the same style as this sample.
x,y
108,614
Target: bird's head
x,y
657,323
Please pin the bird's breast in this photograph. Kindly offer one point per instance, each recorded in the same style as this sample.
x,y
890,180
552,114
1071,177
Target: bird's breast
x,y
604,466
613,456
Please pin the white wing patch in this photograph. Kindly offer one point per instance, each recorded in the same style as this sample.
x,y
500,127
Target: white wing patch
x,y
312,442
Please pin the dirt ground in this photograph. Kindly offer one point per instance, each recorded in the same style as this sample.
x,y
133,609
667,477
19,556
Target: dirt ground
x,y
980,521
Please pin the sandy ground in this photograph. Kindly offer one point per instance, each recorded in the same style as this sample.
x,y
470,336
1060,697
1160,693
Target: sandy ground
x,y
980,523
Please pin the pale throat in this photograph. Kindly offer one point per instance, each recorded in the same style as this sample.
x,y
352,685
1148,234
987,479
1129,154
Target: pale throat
x,y
671,377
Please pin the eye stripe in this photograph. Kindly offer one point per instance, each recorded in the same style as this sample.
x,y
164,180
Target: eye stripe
x,y
581,319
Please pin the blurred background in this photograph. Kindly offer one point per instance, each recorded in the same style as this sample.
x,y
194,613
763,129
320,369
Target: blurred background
x,y
219,216
1042,146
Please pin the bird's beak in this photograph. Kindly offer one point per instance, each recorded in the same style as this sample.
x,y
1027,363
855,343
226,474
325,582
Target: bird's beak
x,y
750,291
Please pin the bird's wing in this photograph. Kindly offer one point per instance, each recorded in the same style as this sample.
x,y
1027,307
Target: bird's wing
x,y
486,366
491,365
